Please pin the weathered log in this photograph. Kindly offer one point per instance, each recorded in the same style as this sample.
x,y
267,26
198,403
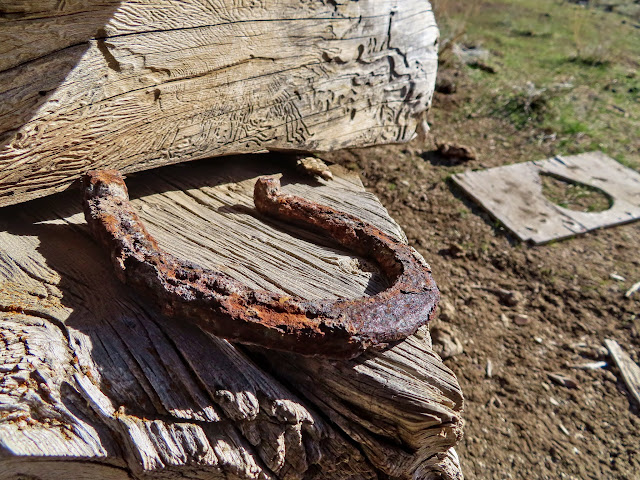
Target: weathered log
x,y
136,84
95,383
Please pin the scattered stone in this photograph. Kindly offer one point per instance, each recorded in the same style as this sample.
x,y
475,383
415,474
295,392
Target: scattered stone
x,y
562,380
554,402
521,319
617,277
445,341
595,352
447,311
505,320
489,369
510,298
461,153
314,166
564,430
445,85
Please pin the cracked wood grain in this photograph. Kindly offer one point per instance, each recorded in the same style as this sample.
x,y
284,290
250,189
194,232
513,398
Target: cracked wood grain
x,y
136,84
92,374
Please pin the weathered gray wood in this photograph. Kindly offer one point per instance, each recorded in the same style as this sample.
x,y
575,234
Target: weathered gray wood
x,y
628,369
135,84
513,194
93,375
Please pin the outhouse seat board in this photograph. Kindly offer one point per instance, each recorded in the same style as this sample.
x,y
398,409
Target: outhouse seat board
x,y
513,195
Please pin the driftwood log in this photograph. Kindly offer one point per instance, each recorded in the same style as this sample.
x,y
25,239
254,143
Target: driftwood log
x,y
95,383
137,84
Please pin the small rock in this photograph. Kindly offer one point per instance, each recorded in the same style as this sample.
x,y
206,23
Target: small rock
x,y
609,375
504,319
445,341
489,369
458,152
447,311
521,319
314,166
617,277
562,380
510,298
455,250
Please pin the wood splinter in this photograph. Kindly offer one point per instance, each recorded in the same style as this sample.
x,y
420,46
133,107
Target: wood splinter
x,y
219,304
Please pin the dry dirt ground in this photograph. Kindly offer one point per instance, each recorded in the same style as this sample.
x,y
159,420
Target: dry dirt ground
x,y
520,423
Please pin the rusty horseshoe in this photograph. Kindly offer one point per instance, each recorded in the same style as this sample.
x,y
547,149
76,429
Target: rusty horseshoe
x,y
221,305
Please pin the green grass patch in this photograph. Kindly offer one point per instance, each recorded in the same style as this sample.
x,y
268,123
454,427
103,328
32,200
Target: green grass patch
x,y
564,69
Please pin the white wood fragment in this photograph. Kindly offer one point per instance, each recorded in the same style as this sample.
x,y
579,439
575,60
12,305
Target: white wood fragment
x,y
634,288
628,369
590,366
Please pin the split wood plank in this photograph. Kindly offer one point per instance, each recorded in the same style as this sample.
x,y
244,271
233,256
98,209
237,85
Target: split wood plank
x,y
137,84
93,377
513,195
628,369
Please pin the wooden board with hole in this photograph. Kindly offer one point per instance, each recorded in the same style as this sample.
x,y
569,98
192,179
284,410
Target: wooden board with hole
x,y
513,194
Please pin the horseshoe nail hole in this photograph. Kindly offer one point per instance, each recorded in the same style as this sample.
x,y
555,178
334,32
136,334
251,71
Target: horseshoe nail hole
x,y
574,195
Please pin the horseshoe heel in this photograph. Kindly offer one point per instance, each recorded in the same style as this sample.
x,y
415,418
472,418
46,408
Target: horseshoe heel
x,y
225,307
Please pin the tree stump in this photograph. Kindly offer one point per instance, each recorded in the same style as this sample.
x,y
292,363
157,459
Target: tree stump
x,y
96,383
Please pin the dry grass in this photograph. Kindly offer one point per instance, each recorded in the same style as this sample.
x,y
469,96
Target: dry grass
x,y
452,17
592,46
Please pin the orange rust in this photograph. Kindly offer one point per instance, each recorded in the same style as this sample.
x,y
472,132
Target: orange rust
x,y
226,307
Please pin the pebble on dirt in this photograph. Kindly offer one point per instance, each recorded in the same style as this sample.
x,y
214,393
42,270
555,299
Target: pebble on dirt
x,y
521,319
459,152
562,380
445,341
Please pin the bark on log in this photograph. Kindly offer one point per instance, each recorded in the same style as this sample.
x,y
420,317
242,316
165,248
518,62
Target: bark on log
x,y
95,383
136,84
